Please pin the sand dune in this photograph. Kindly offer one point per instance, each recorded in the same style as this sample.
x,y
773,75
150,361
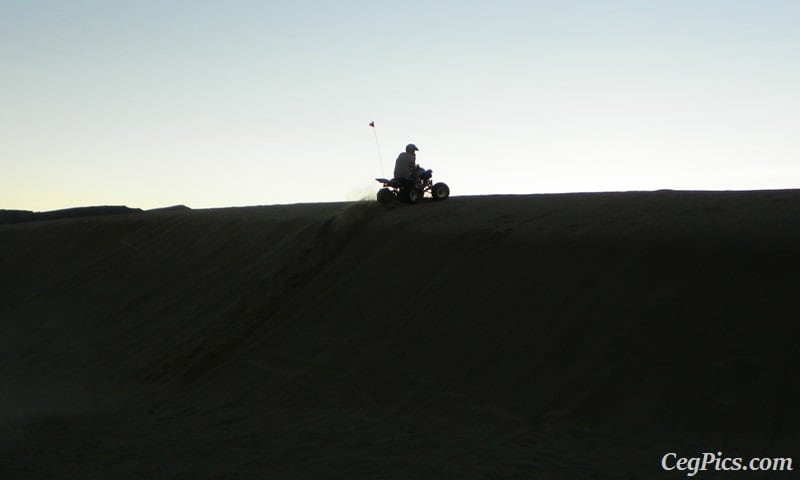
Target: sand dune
x,y
22,216
541,336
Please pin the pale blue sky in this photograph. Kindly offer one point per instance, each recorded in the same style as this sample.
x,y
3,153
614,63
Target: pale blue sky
x,y
229,103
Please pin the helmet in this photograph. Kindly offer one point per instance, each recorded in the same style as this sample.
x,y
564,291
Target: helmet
x,y
411,148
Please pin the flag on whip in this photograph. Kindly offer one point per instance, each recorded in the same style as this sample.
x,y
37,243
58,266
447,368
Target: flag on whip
x,y
378,146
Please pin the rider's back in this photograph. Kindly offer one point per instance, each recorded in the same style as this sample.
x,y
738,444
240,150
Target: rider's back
x,y
404,165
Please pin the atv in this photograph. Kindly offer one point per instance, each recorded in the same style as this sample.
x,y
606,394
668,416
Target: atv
x,y
412,191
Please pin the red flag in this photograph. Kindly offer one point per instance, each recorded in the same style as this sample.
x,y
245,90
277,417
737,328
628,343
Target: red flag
x,y
372,124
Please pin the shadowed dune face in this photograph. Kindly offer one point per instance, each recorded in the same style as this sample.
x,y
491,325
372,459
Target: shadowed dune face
x,y
509,330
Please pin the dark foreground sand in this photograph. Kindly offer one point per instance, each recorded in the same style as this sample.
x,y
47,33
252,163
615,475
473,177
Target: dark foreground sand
x,y
501,337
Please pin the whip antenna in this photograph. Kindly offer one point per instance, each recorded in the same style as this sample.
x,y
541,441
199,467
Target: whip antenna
x,y
378,146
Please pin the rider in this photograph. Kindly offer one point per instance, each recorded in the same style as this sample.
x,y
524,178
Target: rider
x,y
405,167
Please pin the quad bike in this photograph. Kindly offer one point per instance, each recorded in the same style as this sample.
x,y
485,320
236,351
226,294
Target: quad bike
x,y
412,192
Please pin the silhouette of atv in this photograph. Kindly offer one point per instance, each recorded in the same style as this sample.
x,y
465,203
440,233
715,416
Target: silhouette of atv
x,y
412,192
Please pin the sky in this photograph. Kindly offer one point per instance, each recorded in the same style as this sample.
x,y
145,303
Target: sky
x,y
228,103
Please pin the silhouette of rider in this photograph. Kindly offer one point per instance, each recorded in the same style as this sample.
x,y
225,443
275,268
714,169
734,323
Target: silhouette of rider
x,y
405,167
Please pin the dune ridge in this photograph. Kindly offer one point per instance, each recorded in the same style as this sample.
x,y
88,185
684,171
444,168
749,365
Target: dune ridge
x,y
531,336
21,216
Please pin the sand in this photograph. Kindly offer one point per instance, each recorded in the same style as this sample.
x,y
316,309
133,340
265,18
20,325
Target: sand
x,y
498,337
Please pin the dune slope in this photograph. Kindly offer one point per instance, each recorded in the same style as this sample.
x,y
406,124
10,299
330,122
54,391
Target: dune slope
x,y
579,336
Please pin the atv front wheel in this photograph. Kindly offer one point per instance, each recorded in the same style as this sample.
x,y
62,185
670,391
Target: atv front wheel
x,y
440,191
385,196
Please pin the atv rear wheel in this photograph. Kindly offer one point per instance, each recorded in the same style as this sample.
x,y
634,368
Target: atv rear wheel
x,y
385,196
440,191
413,195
